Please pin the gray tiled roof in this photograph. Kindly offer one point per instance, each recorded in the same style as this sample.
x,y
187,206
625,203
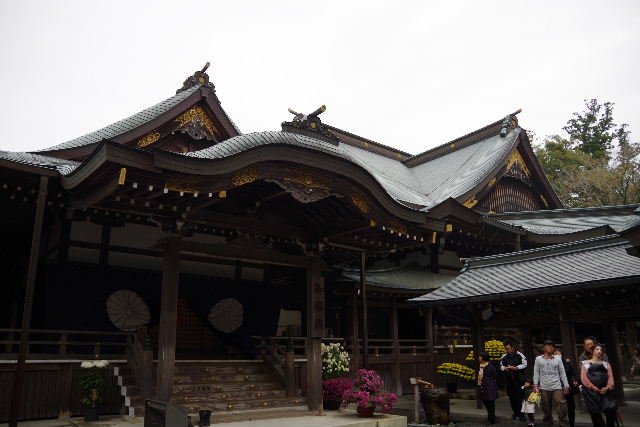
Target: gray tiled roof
x,y
63,166
427,184
564,221
412,276
125,125
539,271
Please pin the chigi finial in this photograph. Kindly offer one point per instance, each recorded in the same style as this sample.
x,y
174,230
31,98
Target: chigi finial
x,y
198,78
510,122
310,125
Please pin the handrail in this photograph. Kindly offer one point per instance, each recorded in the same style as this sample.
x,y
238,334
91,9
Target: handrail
x,y
65,331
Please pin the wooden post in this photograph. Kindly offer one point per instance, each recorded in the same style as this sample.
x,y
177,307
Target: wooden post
x,y
289,370
568,337
147,367
416,399
431,337
16,396
632,335
527,350
355,350
433,255
66,392
478,347
315,331
615,357
168,319
395,335
363,296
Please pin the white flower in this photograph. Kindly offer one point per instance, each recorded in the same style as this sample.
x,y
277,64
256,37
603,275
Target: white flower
x,y
87,364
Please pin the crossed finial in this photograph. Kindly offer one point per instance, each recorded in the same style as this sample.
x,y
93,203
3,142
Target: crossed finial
x,y
300,117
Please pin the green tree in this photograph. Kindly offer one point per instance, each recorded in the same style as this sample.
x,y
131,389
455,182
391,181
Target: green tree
x,y
593,130
598,165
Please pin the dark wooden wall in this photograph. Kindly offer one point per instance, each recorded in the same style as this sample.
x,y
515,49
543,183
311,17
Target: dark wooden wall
x,y
50,388
510,195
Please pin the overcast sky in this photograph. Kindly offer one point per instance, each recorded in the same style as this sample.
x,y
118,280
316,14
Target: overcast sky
x,y
411,75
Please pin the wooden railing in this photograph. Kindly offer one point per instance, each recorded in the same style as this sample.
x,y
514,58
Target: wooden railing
x,y
68,343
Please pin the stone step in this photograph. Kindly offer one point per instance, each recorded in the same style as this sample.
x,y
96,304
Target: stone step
x,y
241,405
224,388
220,379
219,370
192,398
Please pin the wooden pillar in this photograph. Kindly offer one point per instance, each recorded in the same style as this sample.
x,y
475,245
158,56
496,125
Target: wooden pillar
x,y
527,350
395,335
168,319
632,335
433,255
105,239
363,296
615,357
315,332
16,396
355,350
478,347
431,337
568,337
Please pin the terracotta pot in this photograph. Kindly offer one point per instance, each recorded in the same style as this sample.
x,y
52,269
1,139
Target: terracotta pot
x,y
366,412
331,405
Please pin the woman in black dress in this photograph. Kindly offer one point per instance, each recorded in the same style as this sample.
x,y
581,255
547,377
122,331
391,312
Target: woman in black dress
x,y
597,383
487,378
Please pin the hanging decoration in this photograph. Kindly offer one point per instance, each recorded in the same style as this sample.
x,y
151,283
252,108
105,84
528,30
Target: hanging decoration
x,y
127,310
227,315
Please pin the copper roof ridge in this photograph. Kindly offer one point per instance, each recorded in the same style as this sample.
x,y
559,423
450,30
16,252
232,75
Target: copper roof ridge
x,y
457,144
370,141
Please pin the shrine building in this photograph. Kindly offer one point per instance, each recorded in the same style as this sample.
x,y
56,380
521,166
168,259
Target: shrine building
x,y
194,256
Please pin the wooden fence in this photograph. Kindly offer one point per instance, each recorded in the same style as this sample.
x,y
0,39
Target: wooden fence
x,y
52,389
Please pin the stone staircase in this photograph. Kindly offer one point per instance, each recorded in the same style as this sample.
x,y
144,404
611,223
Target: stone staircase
x,y
223,386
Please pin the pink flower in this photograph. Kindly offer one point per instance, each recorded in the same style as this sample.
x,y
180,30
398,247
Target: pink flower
x,y
367,392
334,389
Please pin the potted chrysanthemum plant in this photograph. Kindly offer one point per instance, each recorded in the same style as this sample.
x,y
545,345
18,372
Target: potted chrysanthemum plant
x,y
367,393
335,368
92,383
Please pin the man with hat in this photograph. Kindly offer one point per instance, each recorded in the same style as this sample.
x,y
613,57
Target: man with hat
x,y
550,380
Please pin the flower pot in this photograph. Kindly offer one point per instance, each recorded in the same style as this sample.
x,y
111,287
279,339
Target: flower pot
x,y
331,405
91,413
205,417
366,411
452,387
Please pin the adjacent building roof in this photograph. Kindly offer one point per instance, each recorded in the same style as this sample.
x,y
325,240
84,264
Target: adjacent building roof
x,y
595,262
125,125
410,277
564,221
62,166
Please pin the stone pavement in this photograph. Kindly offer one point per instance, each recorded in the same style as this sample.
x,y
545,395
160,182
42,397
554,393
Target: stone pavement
x,y
347,418
465,409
